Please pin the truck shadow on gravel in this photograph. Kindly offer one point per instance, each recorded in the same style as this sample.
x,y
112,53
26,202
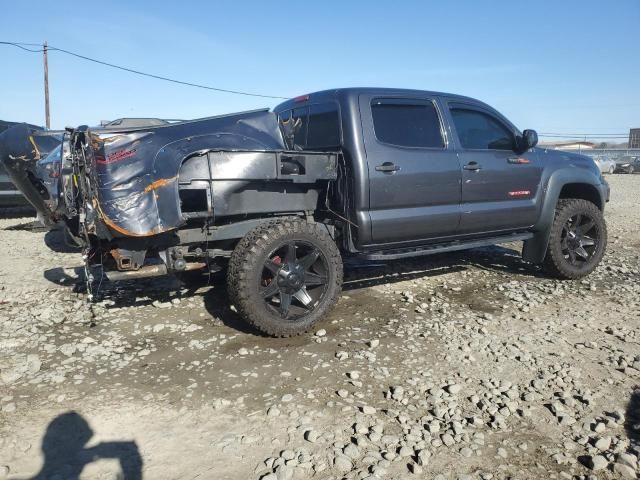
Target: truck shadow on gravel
x,y
66,277
55,241
490,259
66,454
145,292
17,212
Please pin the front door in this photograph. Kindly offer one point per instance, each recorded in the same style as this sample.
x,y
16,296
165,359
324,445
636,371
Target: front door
x,y
414,175
499,186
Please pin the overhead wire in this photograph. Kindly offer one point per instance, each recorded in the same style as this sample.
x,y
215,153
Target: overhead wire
x,y
24,46
52,48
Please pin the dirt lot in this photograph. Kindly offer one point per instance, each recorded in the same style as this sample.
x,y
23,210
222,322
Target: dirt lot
x,y
461,366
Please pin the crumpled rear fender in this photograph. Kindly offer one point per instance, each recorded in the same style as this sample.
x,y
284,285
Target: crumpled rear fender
x,y
135,172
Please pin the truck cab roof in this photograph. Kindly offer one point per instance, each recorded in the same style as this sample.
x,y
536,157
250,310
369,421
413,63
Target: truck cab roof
x,y
351,93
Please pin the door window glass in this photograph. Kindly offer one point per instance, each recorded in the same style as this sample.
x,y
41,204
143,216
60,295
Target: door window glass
x,y
407,123
477,130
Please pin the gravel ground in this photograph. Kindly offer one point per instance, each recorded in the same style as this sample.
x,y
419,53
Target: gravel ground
x,y
465,366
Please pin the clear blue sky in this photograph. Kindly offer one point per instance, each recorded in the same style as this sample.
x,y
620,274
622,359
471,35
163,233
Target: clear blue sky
x,y
562,66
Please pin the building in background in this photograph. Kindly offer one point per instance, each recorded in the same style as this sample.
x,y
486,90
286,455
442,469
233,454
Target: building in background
x,y
569,145
634,138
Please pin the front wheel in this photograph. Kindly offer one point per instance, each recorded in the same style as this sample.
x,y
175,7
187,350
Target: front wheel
x,y
284,276
577,241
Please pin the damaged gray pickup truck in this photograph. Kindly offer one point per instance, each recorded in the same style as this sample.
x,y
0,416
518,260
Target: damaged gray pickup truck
x,y
279,198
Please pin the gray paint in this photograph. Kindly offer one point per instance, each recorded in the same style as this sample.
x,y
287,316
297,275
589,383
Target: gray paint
x,y
419,203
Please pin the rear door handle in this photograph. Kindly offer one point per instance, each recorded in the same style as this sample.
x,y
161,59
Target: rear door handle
x,y
387,167
472,166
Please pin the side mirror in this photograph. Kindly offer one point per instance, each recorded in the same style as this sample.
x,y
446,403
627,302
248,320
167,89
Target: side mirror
x,y
528,140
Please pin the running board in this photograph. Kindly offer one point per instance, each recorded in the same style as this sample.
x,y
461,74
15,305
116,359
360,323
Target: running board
x,y
399,253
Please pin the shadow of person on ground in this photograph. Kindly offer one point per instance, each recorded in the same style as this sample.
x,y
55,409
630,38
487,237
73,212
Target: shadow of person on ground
x,y
65,453
632,418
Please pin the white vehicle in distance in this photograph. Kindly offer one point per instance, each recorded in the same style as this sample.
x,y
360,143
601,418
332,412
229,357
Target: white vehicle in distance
x,y
606,165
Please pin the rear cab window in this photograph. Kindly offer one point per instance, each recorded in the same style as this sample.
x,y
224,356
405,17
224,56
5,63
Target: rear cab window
x,y
312,127
407,123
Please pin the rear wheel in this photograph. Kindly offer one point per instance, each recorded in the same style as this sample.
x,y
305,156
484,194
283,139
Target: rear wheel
x,y
577,241
284,276
630,169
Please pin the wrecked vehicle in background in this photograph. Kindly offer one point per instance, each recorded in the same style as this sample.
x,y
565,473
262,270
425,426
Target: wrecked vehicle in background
x,y
42,151
40,144
628,164
22,147
278,198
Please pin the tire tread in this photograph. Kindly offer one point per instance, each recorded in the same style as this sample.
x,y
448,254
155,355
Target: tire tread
x,y
555,264
241,272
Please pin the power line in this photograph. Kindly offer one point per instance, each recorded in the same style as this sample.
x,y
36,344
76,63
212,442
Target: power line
x,y
22,46
551,134
588,135
138,72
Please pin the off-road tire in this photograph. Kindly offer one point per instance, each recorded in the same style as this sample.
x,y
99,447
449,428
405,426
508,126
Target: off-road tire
x,y
555,264
248,259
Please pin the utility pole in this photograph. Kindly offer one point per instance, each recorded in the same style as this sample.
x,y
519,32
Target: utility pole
x,y
46,86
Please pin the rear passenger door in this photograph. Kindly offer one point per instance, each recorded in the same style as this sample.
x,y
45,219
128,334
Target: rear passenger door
x,y
499,186
414,176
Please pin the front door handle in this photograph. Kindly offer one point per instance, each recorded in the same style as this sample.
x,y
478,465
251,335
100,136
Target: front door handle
x,y
472,166
387,167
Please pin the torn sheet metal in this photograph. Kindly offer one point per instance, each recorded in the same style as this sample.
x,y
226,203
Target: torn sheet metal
x,y
135,171
22,146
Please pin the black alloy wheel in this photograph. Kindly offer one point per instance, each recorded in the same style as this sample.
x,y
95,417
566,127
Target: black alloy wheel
x,y
579,239
294,279
285,275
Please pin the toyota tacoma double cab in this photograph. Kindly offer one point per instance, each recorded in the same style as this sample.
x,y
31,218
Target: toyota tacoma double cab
x,y
281,198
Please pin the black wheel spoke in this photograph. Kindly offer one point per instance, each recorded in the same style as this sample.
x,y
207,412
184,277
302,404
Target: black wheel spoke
x,y
304,298
290,255
271,289
576,222
285,303
272,266
572,256
588,241
589,224
313,279
310,258
582,253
